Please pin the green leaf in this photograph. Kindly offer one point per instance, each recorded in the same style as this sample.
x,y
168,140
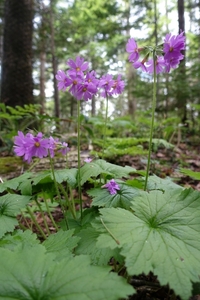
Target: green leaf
x,y
43,177
15,182
87,245
100,166
165,184
122,198
36,275
10,206
61,243
194,175
7,224
17,238
162,236
68,175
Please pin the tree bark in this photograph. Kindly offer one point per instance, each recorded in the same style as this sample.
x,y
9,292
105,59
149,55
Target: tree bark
x,y
17,83
54,64
181,79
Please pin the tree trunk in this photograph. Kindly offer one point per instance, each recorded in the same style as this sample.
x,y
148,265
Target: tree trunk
x,y
54,63
42,81
181,79
17,84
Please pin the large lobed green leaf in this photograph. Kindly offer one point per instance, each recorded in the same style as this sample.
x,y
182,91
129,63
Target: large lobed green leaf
x,y
33,274
162,236
123,197
15,182
87,245
10,206
100,166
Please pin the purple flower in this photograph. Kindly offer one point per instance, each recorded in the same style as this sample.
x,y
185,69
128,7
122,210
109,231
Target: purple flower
x,y
106,83
91,78
85,91
140,64
62,78
88,160
20,144
30,146
132,48
172,63
56,146
77,67
112,187
160,65
52,145
38,146
63,148
173,44
172,47
73,81
118,86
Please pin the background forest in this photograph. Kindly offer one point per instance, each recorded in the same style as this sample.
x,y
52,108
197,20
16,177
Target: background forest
x,y
39,36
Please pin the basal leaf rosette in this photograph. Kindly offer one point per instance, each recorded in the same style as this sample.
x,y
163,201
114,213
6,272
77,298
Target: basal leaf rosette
x,y
161,235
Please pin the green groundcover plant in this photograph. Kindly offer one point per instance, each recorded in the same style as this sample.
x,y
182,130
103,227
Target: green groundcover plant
x,y
133,224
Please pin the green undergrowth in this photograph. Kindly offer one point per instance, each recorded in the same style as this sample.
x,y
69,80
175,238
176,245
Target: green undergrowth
x,y
132,230
115,147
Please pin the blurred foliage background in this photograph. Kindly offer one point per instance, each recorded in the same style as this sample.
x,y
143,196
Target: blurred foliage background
x,y
37,37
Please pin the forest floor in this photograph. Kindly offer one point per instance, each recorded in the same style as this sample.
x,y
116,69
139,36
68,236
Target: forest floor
x,y
165,163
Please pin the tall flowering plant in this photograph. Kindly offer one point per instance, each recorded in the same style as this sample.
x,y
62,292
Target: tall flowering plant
x,y
159,59
167,56
84,85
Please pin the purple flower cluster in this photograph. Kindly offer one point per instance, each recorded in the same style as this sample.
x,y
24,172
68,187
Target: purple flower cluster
x,y
84,85
30,146
172,47
112,187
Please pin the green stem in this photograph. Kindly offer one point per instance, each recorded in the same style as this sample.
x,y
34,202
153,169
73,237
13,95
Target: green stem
x,y
57,191
49,213
70,205
114,238
43,216
35,222
105,127
34,164
152,120
79,161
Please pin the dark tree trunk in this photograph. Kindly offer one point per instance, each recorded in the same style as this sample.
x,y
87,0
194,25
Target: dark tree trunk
x,y
181,79
17,84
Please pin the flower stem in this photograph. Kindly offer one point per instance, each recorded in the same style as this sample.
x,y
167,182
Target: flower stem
x,y
79,161
70,205
105,127
35,222
57,191
43,216
49,213
152,120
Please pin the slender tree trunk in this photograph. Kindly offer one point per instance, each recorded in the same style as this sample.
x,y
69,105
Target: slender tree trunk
x,y
42,81
93,111
17,84
181,80
54,63
166,74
